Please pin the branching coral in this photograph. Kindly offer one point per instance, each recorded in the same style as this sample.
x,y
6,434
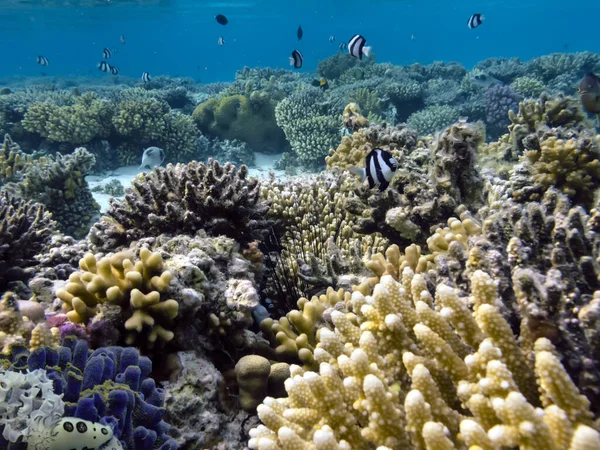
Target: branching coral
x,y
25,227
363,380
186,198
59,183
89,117
12,160
432,119
134,286
308,125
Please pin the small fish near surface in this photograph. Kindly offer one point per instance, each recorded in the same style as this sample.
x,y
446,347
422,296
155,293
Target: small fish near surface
x,y
122,39
332,38
589,94
221,41
343,46
299,33
114,70
42,61
475,20
296,59
220,18
485,80
106,53
379,169
145,77
357,48
152,157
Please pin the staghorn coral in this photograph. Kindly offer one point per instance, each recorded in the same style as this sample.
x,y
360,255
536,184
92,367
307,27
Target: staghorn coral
x,y
551,66
503,69
25,228
186,198
134,286
309,126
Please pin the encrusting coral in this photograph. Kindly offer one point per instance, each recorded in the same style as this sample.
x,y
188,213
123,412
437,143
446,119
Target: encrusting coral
x,y
186,198
134,286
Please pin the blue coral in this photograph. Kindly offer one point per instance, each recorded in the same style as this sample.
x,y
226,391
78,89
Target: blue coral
x,y
110,385
498,101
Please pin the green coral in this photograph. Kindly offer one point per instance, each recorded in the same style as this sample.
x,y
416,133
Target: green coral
x,y
308,125
432,119
248,118
88,118
368,101
334,66
180,137
528,86
142,120
12,160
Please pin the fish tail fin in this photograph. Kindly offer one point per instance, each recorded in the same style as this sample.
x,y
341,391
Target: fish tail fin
x,y
482,17
362,173
291,61
367,50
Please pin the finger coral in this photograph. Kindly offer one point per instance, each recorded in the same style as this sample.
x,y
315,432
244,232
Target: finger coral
x,y
134,286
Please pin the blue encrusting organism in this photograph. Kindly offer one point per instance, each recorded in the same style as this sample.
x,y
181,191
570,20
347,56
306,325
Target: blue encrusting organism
x,y
110,386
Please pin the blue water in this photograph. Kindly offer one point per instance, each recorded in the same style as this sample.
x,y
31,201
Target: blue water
x,y
179,37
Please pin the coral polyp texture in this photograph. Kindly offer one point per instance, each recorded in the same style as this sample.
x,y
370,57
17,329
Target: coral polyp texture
x,y
220,199
396,373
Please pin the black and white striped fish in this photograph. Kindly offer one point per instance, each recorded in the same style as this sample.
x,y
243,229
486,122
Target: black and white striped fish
x,y
379,169
332,38
296,59
122,39
104,66
106,53
145,77
475,20
42,61
343,46
114,70
221,41
357,48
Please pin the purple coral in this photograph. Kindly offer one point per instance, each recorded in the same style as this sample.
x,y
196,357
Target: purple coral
x,y
498,101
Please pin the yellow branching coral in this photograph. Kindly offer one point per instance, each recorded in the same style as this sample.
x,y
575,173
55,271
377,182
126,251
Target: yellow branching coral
x,y
570,165
134,286
382,380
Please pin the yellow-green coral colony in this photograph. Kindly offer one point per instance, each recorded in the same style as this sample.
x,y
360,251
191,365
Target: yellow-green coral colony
x,y
135,287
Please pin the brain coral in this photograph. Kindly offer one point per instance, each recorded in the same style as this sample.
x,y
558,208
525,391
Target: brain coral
x,y
223,200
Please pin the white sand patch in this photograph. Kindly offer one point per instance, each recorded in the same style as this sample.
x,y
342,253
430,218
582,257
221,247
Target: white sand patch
x,y
264,165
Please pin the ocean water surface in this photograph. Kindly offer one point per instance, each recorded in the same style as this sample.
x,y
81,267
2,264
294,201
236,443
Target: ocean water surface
x,y
179,37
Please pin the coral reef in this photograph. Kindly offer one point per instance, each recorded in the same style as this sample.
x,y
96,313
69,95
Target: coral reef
x,y
308,125
110,385
432,119
248,118
223,200
25,228
499,100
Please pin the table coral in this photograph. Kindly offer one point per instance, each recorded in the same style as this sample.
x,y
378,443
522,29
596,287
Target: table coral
x,y
186,198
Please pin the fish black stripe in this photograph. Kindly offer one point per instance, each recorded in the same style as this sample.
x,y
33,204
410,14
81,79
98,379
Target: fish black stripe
x,y
378,171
